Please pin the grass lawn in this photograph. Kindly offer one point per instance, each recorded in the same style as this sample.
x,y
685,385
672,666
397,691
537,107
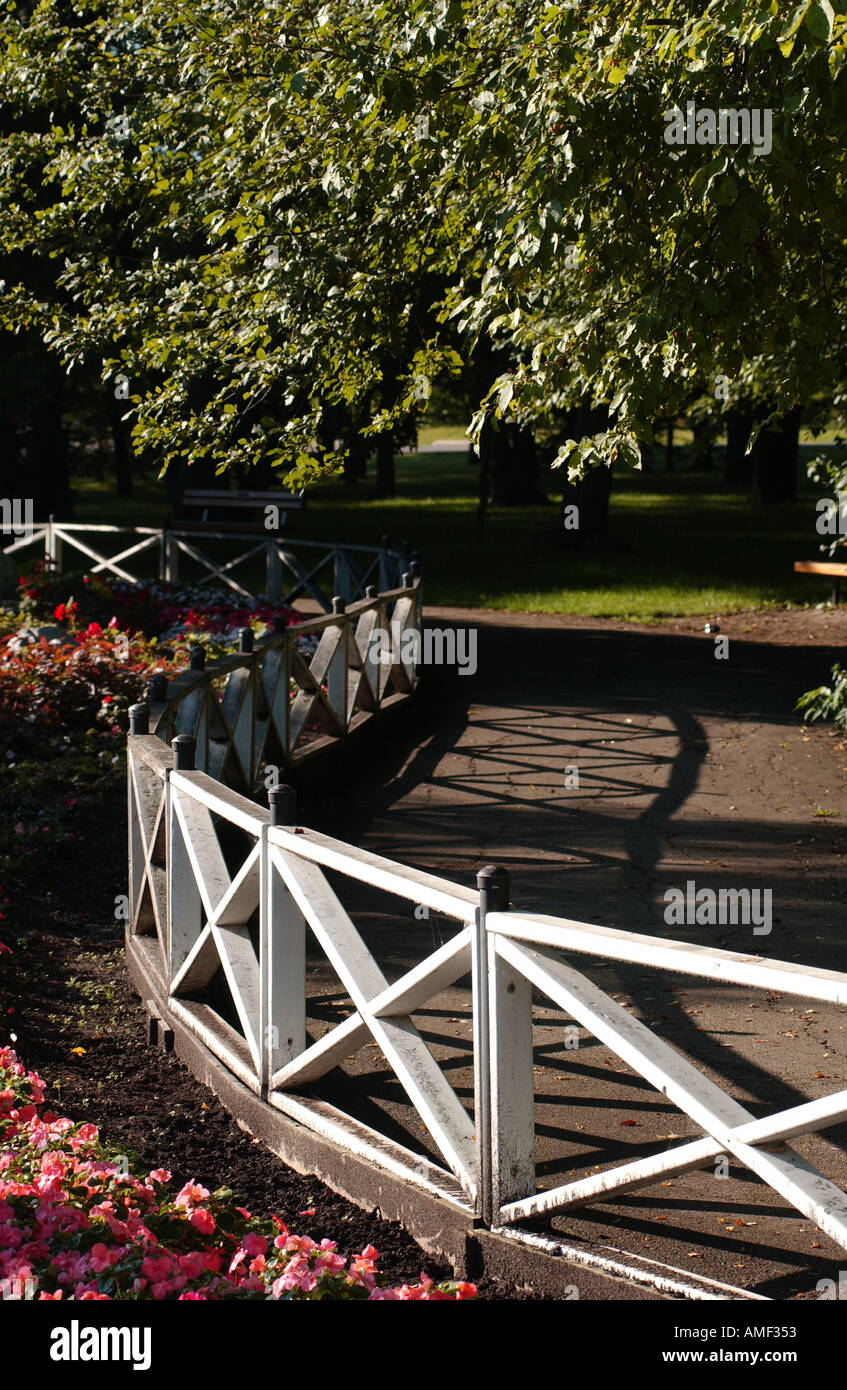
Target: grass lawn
x,y
679,544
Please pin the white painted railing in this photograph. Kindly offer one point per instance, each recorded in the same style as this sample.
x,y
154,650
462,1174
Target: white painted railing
x,y
523,953
196,907
193,911
271,703
318,569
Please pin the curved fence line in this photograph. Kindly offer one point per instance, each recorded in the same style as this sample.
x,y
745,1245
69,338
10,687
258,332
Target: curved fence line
x,y
273,703
223,889
318,569
221,885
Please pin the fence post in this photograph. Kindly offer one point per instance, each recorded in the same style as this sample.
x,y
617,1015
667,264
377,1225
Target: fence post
x,y
342,574
139,718
185,905
282,954
184,750
493,885
339,665
273,570
512,1089
387,577
171,558
138,723
53,547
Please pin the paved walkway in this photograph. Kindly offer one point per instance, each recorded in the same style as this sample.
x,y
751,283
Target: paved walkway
x,y
689,768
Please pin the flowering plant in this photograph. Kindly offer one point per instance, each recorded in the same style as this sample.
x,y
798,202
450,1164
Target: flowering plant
x,y
153,607
76,1224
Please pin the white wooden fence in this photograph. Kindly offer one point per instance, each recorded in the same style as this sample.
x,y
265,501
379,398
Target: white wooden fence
x,y
194,909
318,569
271,703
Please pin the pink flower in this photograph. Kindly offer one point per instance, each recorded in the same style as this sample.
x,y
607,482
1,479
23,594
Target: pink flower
x,y
203,1221
156,1269
297,1275
102,1257
192,1192
251,1246
160,1175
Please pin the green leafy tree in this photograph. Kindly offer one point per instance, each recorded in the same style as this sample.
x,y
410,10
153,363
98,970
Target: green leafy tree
x,y
260,211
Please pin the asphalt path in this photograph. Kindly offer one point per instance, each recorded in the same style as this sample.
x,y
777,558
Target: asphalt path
x,y
691,769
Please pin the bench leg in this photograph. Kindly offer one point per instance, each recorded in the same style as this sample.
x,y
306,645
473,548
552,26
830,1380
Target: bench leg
x,y
836,590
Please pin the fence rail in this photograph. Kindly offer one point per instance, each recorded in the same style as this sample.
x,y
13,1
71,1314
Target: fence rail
x,y
271,703
316,569
198,906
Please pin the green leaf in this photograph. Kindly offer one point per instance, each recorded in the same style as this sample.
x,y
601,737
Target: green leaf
x,y
820,19
505,396
723,191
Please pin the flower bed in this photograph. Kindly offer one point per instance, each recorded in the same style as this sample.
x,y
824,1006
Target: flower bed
x,y
76,1224
151,607
64,697
75,1221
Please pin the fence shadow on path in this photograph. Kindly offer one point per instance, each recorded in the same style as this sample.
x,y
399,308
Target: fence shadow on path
x,y
683,774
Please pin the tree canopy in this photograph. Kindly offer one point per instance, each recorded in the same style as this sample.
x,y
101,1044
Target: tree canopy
x,y
254,212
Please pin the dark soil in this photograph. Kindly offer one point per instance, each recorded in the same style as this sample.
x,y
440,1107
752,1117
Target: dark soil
x,y
66,988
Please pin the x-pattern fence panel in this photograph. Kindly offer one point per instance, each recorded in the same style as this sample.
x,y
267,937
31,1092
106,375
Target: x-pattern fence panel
x,y
272,703
249,919
319,570
199,909
523,953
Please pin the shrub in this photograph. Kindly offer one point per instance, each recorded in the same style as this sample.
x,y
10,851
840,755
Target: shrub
x,y
827,701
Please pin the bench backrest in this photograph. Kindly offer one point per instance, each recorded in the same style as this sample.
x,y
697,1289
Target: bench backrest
x,y
216,497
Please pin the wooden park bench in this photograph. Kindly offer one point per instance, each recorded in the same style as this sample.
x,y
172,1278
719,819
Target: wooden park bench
x,y
215,499
208,500
835,568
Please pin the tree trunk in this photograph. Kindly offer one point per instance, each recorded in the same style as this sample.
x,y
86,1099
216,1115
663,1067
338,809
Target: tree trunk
x,y
739,422
10,468
46,451
591,498
513,466
484,484
359,451
775,456
701,448
121,444
385,482
670,459
499,464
